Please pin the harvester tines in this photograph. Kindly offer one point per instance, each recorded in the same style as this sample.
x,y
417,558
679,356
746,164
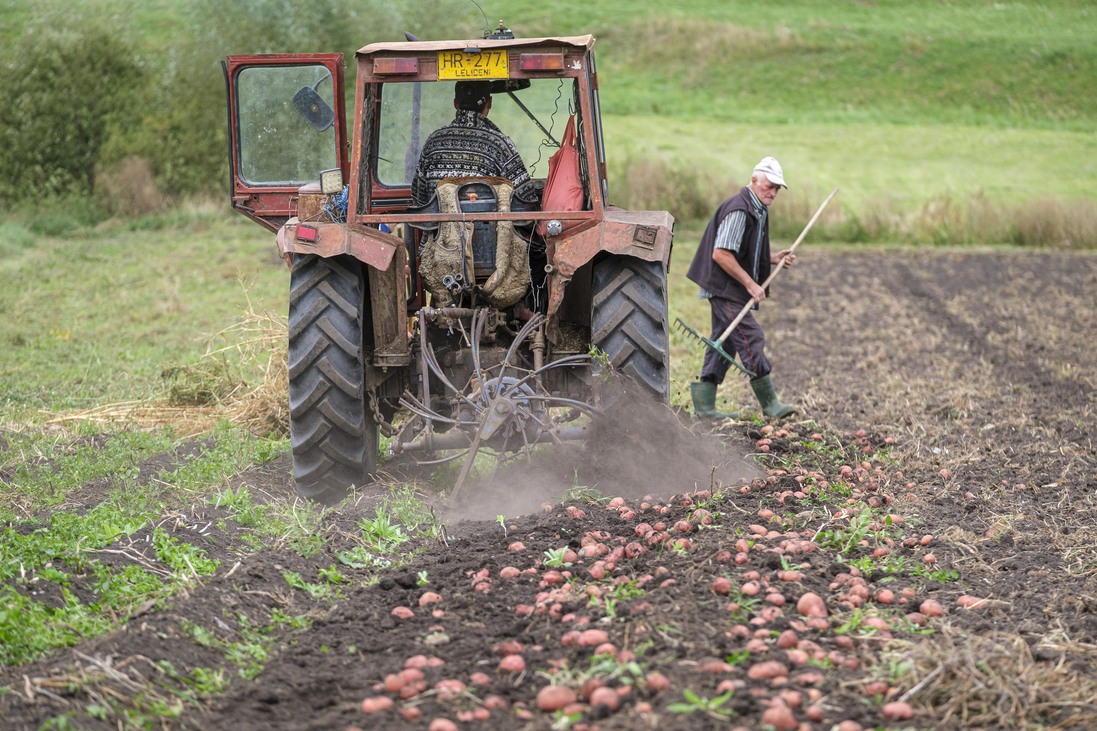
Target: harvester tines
x,y
716,345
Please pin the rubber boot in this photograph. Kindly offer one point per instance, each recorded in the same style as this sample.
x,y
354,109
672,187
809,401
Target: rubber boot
x,y
767,397
704,401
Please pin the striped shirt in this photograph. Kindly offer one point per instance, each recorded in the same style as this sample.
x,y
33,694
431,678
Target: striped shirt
x,y
730,233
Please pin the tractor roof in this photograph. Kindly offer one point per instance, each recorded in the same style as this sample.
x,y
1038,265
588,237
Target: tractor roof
x,y
586,41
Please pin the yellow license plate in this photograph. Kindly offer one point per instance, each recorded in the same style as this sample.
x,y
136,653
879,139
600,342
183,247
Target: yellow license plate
x,y
459,65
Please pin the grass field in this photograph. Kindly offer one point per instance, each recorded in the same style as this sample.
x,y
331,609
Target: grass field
x,y
901,100
98,318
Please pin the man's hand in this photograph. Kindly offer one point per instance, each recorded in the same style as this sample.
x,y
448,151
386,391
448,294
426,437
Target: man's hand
x,y
756,291
785,254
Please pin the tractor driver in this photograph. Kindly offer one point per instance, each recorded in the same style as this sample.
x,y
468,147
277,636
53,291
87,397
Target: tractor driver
x,y
470,146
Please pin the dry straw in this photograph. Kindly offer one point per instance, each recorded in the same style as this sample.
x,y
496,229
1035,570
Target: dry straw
x,y
211,391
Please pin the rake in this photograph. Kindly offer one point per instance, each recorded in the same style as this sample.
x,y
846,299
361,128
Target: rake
x,y
718,344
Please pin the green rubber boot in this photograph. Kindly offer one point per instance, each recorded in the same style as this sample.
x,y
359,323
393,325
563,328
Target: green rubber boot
x,y
767,397
704,401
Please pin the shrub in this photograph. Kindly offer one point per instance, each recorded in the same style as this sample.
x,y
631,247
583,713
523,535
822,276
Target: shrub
x,y
62,93
127,188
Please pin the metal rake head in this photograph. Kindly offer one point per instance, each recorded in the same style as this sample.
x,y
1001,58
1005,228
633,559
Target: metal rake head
x,y
715,345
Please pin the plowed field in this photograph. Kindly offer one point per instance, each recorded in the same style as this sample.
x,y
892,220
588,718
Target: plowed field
x,y
937,492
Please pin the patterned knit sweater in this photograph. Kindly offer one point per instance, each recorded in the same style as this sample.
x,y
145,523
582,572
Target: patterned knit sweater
x,y
469,146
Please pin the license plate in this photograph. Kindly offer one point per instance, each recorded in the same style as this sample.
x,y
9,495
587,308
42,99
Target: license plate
x,y
459,65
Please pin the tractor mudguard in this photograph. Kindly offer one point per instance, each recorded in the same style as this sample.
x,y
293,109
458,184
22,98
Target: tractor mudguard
x,y
366,244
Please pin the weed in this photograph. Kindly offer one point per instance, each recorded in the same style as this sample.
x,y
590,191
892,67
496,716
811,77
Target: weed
x,y
694,703
554,557
381,533
315,591
184,559
208,681
935,574
844,540
581,493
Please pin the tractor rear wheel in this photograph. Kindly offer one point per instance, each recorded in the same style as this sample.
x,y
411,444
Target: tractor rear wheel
x,y
332,429
629,321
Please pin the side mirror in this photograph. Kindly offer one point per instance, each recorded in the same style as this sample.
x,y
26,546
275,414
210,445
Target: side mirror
x,y
310,105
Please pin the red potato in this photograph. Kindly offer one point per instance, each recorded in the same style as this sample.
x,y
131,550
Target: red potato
x,y
429,597
898,711
876,687
377,704
511,664
592,637
509,572
402,613
797,657
555,697
442,724
931,608
788,640
589,686
970,602
450,688
605,698
780,717
508,647
811,605
657,681
714,667
767,670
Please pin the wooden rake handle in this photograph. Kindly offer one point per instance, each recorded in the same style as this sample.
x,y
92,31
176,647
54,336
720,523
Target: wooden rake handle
x,y
777,270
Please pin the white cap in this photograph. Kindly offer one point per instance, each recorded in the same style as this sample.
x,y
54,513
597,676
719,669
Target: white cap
x,y
772,170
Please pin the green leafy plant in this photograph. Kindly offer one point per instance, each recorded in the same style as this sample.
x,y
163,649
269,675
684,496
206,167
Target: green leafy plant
x,y
694,703
315,591
554,557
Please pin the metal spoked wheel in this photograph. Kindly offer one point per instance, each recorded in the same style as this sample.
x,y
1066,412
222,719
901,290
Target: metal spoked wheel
x,y
504,409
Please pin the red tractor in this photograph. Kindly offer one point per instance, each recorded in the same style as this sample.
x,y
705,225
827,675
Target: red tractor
x,y
474,323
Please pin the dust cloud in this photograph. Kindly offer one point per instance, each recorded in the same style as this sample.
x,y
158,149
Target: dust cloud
x,y
637,447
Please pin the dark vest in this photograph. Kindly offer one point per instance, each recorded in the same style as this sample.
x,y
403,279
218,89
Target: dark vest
x,y
754,258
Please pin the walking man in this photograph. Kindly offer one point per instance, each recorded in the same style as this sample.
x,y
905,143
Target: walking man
x,y
732,259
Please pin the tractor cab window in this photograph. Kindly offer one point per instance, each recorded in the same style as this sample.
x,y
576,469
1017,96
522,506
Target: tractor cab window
x,y
286,124
534,118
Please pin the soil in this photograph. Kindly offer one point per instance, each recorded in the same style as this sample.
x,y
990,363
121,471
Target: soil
x,y
951,391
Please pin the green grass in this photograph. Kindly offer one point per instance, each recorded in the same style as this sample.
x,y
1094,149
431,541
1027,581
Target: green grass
x,y
98,316
905,165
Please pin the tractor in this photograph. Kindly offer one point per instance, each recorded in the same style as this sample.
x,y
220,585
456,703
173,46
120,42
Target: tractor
x,y
478,323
